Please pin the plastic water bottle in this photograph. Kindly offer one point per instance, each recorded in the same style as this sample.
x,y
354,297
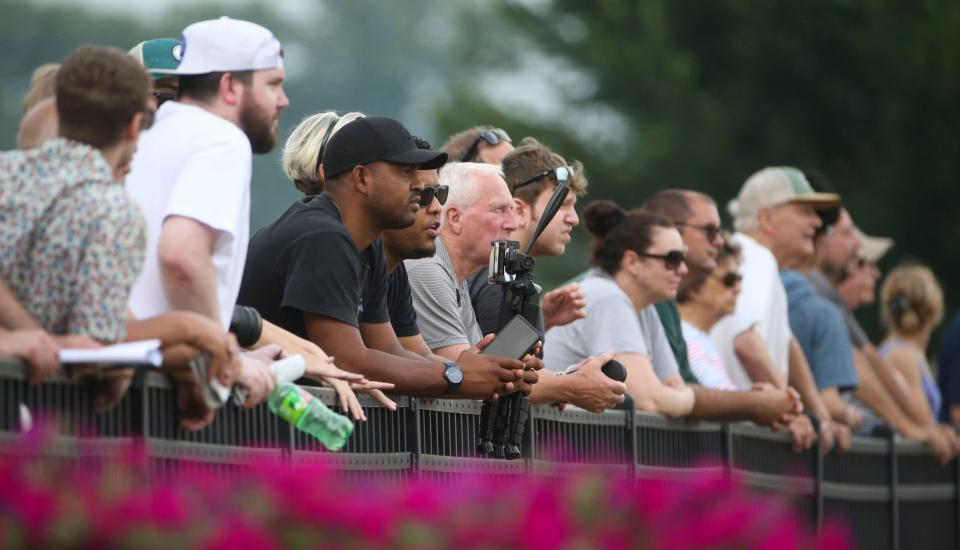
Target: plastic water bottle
x,y
308,414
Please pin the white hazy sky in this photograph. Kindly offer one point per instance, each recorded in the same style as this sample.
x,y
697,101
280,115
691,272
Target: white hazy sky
x,y
529,93
150,8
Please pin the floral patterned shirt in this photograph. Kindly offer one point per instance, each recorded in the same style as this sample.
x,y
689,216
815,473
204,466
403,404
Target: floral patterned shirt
x,y
71,239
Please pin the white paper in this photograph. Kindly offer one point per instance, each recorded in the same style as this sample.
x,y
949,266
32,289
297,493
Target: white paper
x,y
289,369
142,352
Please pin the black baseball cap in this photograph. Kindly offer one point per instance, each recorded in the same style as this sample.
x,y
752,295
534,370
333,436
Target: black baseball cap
x,y
374,138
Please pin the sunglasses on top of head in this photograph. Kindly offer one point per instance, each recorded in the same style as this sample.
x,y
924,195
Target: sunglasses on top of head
x,y
562,175
671,260
494,136
429,192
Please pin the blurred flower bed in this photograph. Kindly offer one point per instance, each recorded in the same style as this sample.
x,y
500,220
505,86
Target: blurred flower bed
x,y
51,501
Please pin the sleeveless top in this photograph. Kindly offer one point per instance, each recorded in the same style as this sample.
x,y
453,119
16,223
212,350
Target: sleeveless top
x,y
930,389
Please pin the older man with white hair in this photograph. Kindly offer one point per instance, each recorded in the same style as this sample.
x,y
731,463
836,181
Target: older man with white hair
x,y
776,220
479,209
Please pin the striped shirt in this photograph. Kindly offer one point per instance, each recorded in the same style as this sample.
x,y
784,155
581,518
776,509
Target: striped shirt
x,y
444,311
705,360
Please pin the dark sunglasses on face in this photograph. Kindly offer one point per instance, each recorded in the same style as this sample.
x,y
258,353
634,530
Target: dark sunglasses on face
x,y
495,136
730,280
671,260
709,230
562,174
428,193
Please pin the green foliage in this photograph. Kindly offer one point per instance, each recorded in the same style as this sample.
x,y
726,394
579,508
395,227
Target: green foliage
x,y
865,91
648,95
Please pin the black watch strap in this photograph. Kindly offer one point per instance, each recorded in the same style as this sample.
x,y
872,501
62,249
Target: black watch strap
x,y
453,375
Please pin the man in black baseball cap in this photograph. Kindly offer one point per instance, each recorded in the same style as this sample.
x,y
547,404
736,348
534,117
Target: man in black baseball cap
x,y
370,139
319,270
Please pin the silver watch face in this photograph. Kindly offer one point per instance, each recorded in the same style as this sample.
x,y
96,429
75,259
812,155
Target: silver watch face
x,y
454,374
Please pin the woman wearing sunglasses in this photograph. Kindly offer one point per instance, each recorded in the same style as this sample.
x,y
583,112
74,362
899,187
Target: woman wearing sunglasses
x,y
708,297
638,261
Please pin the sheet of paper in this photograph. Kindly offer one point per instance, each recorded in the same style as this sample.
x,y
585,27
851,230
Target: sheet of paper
x,y
142,352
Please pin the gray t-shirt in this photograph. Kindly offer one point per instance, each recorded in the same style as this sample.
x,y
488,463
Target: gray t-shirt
x,y
611,324
444,312
858,336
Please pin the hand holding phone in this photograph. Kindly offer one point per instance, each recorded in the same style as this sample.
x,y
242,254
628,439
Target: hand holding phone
x,y
516,339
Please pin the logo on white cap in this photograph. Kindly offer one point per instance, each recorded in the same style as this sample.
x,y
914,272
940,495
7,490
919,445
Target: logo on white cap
x,y
228,45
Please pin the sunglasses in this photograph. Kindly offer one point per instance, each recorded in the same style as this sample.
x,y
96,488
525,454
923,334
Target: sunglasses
x,y
563,175
709,230
730,280
495,136
671,260
439,192
163,97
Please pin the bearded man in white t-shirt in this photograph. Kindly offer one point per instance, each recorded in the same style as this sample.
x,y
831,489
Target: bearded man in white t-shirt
x,y
191,176
775,215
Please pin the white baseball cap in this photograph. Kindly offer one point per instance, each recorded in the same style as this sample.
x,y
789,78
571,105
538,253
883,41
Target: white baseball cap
x,y
872,248
775,186
228,45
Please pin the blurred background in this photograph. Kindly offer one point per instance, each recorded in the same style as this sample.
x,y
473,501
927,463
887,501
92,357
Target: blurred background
x,y
647,94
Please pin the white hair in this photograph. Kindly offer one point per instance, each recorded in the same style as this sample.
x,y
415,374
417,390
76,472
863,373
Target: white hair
x,y
462,179
302,149
742,221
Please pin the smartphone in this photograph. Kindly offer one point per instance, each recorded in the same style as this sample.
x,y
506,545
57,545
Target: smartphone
x,y
516,339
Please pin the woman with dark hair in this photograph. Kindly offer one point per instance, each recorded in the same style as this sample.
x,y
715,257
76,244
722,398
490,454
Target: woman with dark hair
x,y
638,261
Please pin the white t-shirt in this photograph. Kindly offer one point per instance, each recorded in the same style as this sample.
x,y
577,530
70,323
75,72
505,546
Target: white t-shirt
x,y
762,304
194,164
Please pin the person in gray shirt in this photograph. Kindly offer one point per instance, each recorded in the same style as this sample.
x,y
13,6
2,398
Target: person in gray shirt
x,y
478,210
639,261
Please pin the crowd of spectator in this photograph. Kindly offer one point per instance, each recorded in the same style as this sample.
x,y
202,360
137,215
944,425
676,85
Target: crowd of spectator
x,y
125,215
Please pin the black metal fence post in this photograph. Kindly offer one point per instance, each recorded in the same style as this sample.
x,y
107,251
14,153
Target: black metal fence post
x,y
413,435
630,439
894,500
956,497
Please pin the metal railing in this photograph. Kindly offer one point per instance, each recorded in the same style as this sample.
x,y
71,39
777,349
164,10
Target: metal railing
x,y
891,493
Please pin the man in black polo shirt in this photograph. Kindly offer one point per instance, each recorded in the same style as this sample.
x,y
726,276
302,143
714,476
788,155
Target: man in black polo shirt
x,y
319,270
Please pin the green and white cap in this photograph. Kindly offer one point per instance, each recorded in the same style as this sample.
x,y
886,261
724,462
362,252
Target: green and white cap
x,y
160,57
775,186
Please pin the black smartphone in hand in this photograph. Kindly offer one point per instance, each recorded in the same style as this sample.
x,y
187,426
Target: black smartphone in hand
x,y
516,339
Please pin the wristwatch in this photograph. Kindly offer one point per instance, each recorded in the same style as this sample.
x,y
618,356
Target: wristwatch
x,y
453,375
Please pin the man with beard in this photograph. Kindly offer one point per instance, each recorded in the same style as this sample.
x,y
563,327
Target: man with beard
x,y
191,175
414,242
319,270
